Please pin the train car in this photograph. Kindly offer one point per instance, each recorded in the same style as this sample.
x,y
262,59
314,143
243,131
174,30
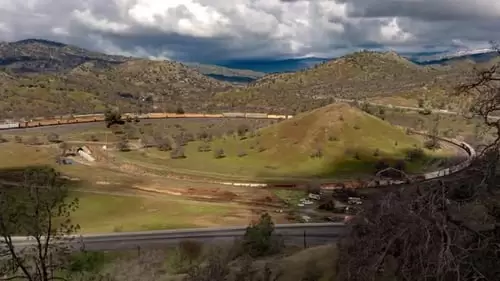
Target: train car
x,y
256,115
194,115
157,115
234,114
175,115
289,116
275,116
213,115
12,125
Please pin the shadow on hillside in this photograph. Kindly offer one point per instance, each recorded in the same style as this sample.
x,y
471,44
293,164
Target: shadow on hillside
x,y
362,164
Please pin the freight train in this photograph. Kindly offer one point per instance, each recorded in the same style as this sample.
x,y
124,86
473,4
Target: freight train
x,y
87,118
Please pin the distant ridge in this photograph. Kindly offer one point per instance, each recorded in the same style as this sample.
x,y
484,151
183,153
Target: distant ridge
x,y
39,55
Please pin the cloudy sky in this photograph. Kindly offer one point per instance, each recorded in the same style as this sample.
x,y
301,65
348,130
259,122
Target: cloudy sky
x,y
217,30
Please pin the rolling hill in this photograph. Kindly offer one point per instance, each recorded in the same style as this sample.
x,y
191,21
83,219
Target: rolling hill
x,y
356,76
333,141
49,78
37,55
136,85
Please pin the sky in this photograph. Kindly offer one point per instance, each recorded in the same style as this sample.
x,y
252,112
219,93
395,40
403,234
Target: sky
x,y
218,30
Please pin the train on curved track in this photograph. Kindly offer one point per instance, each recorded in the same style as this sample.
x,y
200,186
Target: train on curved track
x,y
88,118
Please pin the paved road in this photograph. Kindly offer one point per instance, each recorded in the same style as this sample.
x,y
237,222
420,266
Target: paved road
x,y
315,234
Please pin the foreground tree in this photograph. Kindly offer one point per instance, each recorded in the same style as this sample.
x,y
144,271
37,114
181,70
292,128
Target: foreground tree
x,y
440,230
38,208
483,87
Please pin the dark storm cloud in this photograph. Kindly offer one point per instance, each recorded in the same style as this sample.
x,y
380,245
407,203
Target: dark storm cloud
x,y
212,30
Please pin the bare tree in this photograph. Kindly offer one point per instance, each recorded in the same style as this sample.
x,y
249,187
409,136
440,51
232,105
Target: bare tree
x,y
39,209
484,89
431,233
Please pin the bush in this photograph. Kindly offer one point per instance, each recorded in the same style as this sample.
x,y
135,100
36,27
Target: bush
x,y
93,138
259,239
203,135
242,129
425,111
317,153
177,153
123,144
204,147
148,141
3,139
242,154
179,110
53,137
164,144
18,139
87,261
432,143
116,129
190,250
130,131
112,117
415,154
332,138
34,141
381,165
219,153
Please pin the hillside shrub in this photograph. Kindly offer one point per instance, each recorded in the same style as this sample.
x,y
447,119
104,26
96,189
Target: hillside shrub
x,y
53,137
164,144
219,153
316,153
242,129
242,153
179,110
92,138
204,147
18,139
177,153
112,117
34,140
432,143
123,144
415,154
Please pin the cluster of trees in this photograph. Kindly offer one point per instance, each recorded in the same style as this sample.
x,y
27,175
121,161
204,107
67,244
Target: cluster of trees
x,y
175,143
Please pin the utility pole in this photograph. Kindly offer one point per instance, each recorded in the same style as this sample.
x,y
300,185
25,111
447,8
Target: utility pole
x,y
164,104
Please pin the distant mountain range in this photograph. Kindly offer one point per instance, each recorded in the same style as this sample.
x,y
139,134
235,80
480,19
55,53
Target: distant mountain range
x,y
292,65
31,55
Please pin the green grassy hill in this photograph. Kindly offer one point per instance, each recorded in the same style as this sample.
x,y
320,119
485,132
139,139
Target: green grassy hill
x,y
334,141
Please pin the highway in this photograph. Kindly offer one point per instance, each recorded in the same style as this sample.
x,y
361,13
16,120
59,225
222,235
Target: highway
x,y
293,234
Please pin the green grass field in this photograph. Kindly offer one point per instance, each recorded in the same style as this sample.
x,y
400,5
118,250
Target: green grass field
x,y
350,141
99,213
116,207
